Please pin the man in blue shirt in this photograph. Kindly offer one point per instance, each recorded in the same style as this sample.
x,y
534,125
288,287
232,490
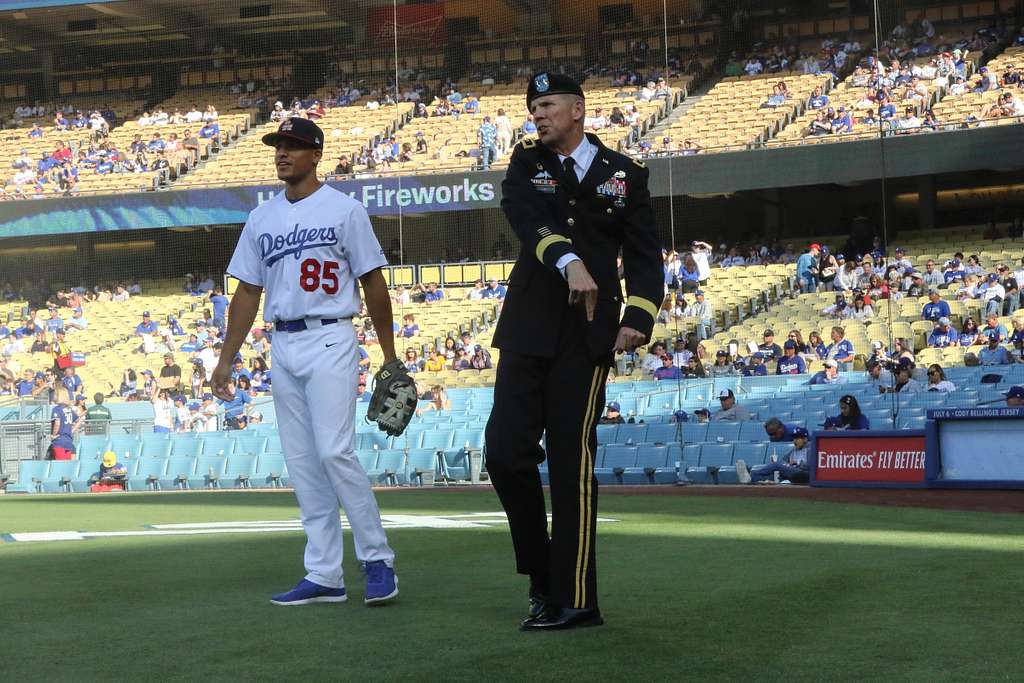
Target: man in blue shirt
x,y
790,363
807,269
667,369
494,290
819,99
487,137
210,129
777,430
54,322
63,423
433,294
992,324
768,348
841,349
78,320
756,367
220,306
529,127
156,144
147,326
238,369
936,307
72,382
943,334
236,407
994,354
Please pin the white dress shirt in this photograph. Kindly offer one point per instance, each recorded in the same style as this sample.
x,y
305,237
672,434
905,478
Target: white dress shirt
x,y
582,156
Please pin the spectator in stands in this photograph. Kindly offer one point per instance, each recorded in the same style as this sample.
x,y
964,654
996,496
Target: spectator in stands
x,y
163,410
932,277
461,361
943,334
409,327
841,349
652,361
936,307
993,294
97,416
613,415
769,348
64,424
494,290
220,307
668,369
481,359
904,381
730,411
969,334
1017,337
792,467
701,310
849,418
434,362
413,363
755,366
210,130
993,353
830,375
723,366
1015,397
992,325
807,269
790,363
433,295
937,380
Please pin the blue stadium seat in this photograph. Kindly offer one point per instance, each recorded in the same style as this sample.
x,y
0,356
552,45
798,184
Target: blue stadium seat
x,y
606,433
273,446
715,455
155,448
652,467
635,433
146,473
750,453
752,430
250,445
208,471
695,432
391,463
437,439
375,438
911,422
270,472
421,461
455,464
723,431
30,476
614,463
179,470
186,447
126,446
218,445
238,471
663,433
473,437
91,446
60,475
368,461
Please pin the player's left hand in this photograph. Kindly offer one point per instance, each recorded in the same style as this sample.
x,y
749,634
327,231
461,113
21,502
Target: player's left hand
x,y
628,339
219,381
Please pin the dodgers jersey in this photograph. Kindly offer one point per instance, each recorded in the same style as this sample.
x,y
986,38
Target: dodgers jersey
x,y
307,255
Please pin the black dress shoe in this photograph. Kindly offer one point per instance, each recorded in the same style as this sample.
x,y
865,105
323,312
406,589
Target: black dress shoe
x,y
563,618
538,603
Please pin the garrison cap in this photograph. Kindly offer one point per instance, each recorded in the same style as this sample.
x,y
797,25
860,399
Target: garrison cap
x,y
546,83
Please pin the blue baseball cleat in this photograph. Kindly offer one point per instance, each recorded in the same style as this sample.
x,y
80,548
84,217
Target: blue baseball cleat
x,y
381,583
307,592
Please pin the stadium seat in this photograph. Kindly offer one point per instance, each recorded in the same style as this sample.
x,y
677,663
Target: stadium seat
x,y
186,447
631,434
250,445
126,447
375,439
178,472
238,471
218,445
723,431
750,453
606,433
30,476
614,462
712,455
270,472
455,464
59,476
92,446
421,462
468,437
391,464
651,467
155,448
146,473
752,430
368,461
663,433
437,439
208,472
273,446
694,432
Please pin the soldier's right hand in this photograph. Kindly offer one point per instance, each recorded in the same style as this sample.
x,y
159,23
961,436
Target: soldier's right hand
x,y
582,288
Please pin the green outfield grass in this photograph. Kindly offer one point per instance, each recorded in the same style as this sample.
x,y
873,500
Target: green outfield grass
x,y
692,588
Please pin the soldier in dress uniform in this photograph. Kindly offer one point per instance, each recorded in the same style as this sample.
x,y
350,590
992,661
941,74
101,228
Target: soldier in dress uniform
x,y
576,206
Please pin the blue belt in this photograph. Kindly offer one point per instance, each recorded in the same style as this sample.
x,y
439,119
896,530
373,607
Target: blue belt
x,y
299,325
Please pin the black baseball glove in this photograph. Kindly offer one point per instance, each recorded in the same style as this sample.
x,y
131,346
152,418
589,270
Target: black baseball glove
x,y
394,398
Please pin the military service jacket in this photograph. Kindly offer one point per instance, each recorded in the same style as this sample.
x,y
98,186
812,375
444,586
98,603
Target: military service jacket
x,y
610,212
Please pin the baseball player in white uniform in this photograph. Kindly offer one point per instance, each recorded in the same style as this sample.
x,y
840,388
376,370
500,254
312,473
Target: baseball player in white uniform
x,y
307,247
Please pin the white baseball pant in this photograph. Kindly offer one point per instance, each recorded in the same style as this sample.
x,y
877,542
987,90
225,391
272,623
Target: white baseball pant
x,y
315,377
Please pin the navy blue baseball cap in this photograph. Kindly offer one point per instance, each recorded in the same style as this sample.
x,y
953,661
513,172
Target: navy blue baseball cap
x,y
800,433
1015,392
546,83
303,131
681,416
614,406
789,344
722,353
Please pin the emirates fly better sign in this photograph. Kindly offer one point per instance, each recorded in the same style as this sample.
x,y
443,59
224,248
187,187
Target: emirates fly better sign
x,y
882,459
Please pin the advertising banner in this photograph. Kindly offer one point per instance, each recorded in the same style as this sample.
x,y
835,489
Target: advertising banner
x,y
417,25
889,458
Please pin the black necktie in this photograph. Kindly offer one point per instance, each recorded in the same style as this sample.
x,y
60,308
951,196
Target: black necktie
x,y
569,179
